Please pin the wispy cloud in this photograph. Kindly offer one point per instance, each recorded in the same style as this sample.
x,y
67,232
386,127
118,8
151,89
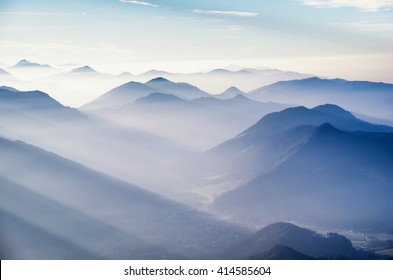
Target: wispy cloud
x,y
366,5
140,3
225,13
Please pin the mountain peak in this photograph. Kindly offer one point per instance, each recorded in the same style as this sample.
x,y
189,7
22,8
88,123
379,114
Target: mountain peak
x,y
158,80
333,110
159,97
327,129
155,72
280,227
23,62
83,69
220,70
233,90
26,63
240,97
125,74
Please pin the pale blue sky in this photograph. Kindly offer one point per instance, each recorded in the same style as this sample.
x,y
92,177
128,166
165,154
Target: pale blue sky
x,y
348,38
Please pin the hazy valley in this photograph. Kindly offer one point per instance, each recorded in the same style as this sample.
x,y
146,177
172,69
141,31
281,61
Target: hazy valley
x,y
237,164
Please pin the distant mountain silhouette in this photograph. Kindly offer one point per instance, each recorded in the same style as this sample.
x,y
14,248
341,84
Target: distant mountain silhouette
x,y
160,104
334,178
369,98
121,95
125,74
218,80
182,90
292,117
155,73
159,97
277,136
83,70
242,106
129,92
24,63
229,93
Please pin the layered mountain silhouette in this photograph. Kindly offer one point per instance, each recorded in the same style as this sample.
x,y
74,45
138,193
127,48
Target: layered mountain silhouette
x,y
334,178
242,106
277,136
128,170
24,63
130,92
103,145
229,93
181,90
206,120
179,111
218,80
368,98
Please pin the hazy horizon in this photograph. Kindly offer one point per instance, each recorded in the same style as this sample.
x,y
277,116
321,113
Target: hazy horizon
x,y
264,120
346,39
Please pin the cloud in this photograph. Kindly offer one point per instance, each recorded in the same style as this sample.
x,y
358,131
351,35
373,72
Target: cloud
x,y
225,13
140,3
366,5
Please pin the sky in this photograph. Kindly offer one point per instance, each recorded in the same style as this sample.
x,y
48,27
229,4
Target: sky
x,y
350,39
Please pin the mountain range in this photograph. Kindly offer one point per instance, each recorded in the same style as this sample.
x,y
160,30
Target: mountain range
x,y
24,63
129,92
153,166
230,93
103,145
171,110
60,209
368,98
277,136
332,178
218,80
